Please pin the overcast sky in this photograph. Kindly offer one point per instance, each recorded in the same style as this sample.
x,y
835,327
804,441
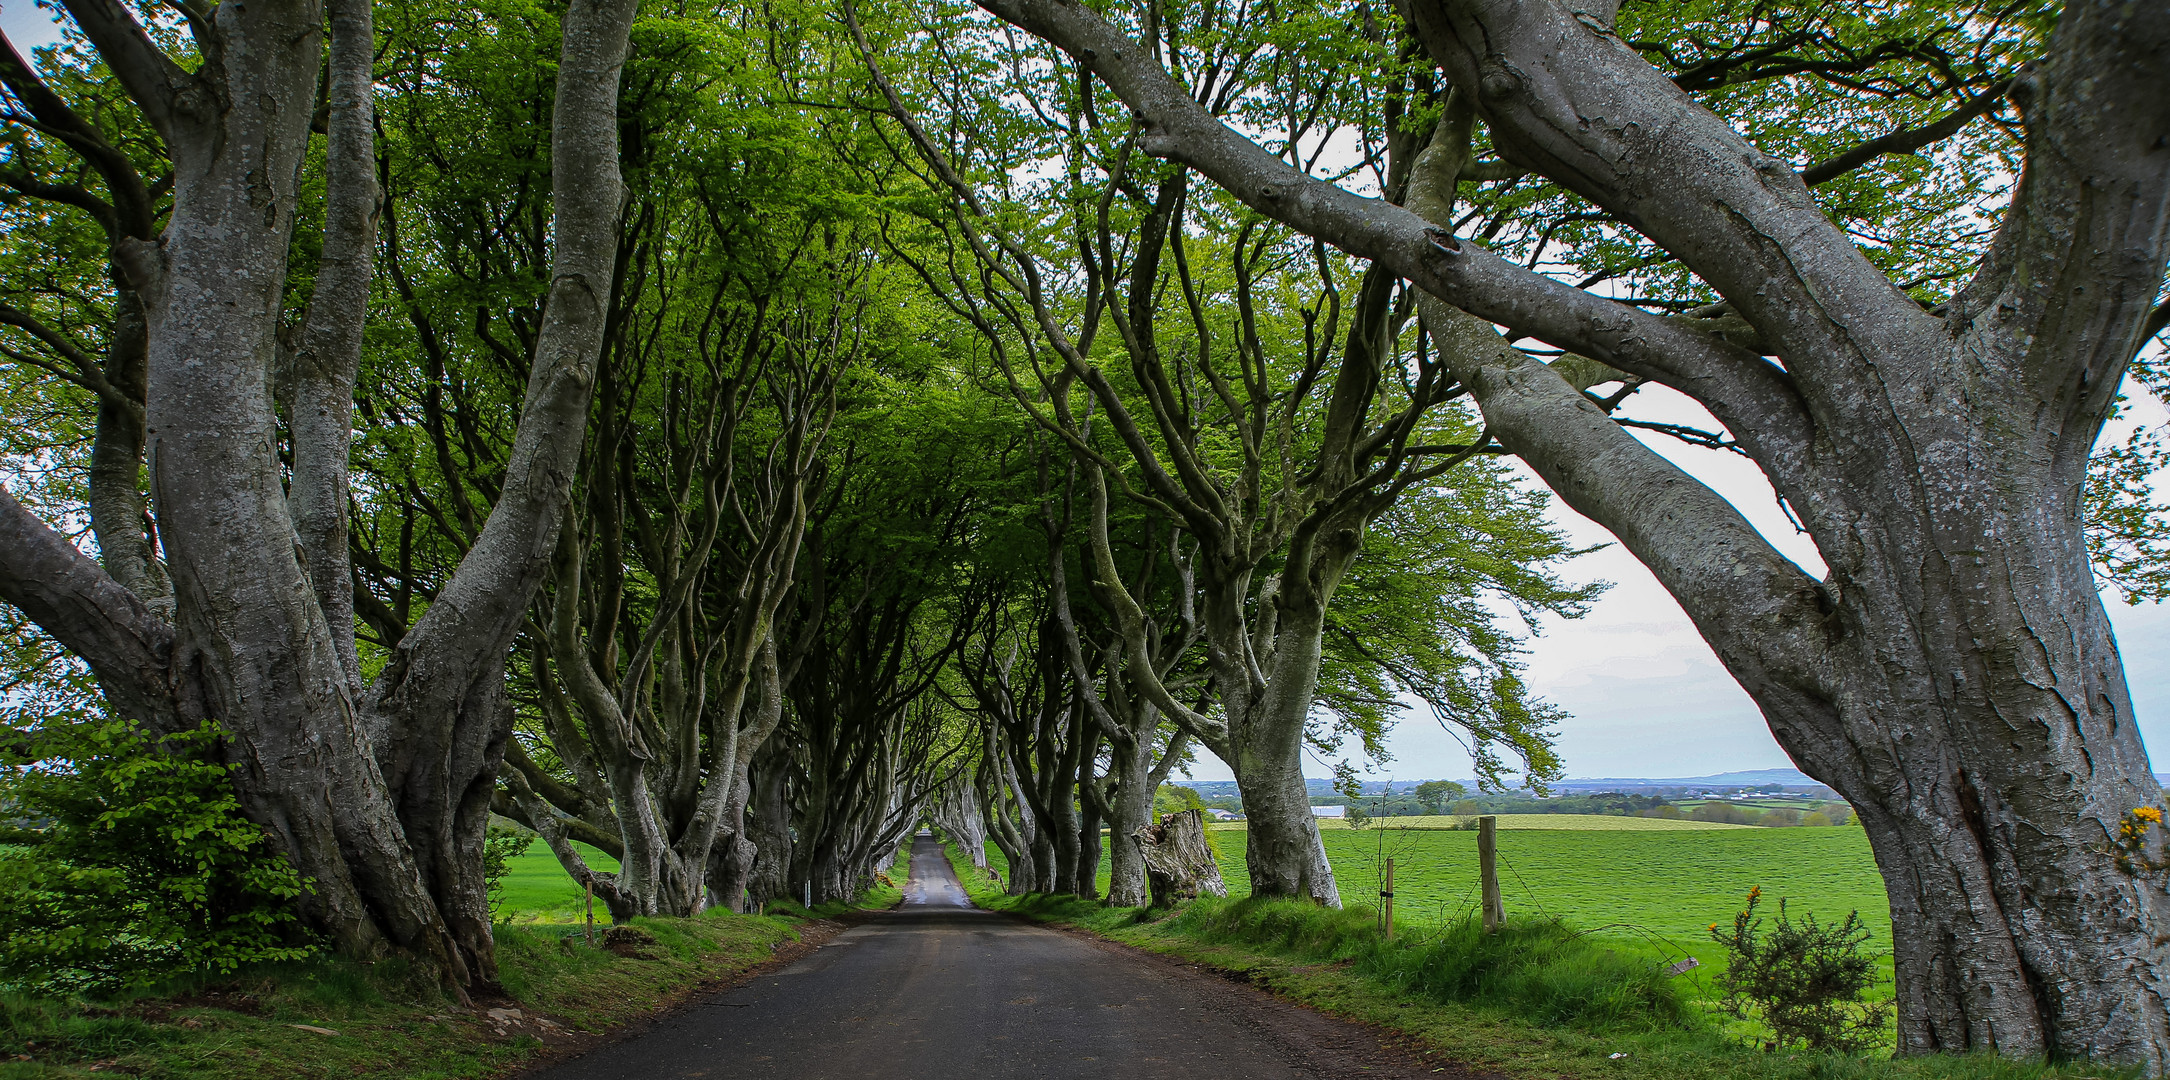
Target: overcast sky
x,y
1646,695
27,25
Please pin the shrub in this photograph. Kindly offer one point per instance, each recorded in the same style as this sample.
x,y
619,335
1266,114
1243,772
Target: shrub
x,y
1830,814
1726,813
1779,818
1803,980
139,864
1174,799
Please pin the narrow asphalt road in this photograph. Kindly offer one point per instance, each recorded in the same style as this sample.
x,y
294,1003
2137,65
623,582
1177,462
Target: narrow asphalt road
x,y
937,989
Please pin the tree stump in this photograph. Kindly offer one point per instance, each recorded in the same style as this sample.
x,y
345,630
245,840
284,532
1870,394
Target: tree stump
x,y
1179,864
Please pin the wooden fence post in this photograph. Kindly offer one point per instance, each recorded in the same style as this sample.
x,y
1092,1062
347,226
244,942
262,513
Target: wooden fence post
x,y
1386,909
1488,869
591,911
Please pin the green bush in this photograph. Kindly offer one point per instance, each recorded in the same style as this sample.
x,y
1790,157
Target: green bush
x,y
1726,813
1830,814
1803,980
1174,799
136,864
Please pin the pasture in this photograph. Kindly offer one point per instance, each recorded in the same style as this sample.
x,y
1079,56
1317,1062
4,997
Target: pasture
x,y
1580,822
1650,886
1655,889
537,890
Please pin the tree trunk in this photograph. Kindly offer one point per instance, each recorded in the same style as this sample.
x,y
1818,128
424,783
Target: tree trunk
x,y
1014,842
1282,849
1087,872
118,515
392,844
320,410
769,827
246,612
1129,810
1179,860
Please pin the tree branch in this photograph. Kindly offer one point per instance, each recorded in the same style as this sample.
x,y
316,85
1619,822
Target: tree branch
x,y
1578,106
1747,392
131,213
73,598
1905,141
167,95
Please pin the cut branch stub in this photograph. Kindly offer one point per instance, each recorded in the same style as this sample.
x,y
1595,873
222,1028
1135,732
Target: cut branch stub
x,y
1179,864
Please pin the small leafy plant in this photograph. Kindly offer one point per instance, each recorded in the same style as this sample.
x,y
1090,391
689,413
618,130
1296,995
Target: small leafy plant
x,y
132,862
1805,981
2129,848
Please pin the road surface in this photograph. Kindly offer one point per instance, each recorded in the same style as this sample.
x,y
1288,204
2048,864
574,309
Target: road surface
x,y
938,990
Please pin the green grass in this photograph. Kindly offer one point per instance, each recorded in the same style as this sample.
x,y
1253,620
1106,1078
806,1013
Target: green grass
x,y
1647,891
392,1024
536,888
1580,822
1536,1001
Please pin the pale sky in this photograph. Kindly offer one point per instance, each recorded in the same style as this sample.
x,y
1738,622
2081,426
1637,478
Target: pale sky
x,y
27,25
1646,695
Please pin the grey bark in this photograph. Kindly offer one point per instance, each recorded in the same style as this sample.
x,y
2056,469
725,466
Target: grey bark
x,y
381,802
769,826
1955,675
320,412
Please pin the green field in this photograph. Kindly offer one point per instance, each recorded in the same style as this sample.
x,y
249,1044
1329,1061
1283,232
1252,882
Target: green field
x,y
1661,888
1651,885
1599,822
538,890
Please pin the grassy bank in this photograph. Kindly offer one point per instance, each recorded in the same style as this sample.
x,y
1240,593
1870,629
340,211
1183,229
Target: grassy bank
x,y
329,1017
1537,1000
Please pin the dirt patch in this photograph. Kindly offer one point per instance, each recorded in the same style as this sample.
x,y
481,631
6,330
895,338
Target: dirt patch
x,y
1330,1047
629,942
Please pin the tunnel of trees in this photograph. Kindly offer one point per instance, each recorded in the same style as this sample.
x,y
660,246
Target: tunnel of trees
x,y
725,436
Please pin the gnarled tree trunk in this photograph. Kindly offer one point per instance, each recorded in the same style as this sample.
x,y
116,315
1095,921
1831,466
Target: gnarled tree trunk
x,y
378,796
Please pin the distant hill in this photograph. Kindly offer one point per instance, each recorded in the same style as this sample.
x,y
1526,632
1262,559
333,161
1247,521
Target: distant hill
x,y
1743,778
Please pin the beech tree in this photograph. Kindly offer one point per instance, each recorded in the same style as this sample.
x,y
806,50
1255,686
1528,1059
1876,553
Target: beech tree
x,y
1272,422
1954,675
379,795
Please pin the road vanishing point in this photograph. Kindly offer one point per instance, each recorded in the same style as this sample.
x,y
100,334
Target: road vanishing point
x,y
936,989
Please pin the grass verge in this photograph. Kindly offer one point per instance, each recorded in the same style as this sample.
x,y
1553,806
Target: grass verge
x,y
1537,1000
329,1017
